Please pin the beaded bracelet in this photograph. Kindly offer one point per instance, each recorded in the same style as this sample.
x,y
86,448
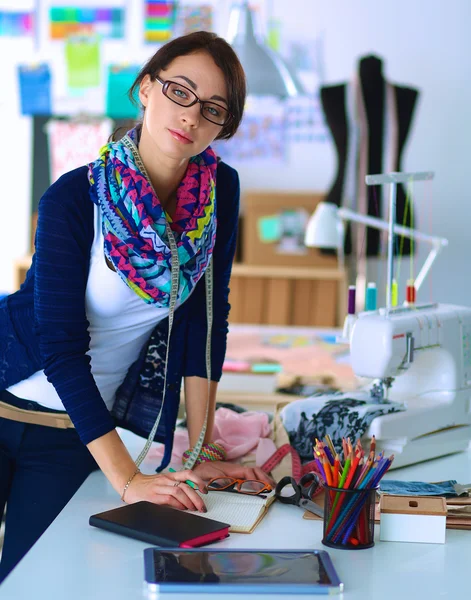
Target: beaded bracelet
x,y
128,483
209,452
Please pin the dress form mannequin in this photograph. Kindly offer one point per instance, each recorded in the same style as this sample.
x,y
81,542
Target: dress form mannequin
x,y
372,85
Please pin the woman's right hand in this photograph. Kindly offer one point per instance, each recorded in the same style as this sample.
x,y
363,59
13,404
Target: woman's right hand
x,y
167,488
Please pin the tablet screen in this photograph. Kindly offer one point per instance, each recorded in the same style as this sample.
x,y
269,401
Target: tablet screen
x,y
240,567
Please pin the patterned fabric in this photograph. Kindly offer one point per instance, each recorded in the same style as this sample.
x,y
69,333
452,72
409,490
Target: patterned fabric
x,y
135,223
151,376
339,415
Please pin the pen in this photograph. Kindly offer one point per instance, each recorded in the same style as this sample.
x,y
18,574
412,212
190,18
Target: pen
x,y
188,482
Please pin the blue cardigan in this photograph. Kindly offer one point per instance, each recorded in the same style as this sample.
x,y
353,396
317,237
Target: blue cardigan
x,y
44,324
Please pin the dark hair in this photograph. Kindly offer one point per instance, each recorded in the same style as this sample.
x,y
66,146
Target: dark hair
x,y
224,57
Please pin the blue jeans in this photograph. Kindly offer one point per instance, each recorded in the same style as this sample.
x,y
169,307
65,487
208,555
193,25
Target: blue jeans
x,y
41,468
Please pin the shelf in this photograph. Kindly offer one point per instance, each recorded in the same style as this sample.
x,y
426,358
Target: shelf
x,y
280,295
323,273
274,295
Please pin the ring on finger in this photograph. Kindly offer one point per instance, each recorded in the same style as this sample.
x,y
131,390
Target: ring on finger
x,y
176,484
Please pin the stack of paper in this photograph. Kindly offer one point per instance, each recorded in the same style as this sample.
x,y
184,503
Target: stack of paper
x,y
458,513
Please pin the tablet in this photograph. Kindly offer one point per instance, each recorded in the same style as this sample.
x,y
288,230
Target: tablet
x,y
240,571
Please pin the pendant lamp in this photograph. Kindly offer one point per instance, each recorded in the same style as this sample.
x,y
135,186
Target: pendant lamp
x,y
267,73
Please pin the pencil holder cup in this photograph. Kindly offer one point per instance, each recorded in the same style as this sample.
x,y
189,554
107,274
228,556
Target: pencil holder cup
x,y
349,518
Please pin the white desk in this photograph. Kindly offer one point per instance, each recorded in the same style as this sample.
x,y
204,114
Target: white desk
x,y
78,562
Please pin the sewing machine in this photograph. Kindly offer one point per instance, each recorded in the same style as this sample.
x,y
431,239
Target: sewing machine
x,y
419,356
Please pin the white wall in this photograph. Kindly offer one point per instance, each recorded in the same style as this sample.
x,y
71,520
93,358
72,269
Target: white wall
x,y
424,43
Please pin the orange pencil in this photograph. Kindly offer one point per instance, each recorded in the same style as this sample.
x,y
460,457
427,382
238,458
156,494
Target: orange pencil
x,y
373,445
328,471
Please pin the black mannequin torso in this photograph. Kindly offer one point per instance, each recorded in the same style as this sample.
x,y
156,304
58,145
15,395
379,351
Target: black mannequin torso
x,y
333,100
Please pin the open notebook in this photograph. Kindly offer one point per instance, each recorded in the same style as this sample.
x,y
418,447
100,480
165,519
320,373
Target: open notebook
x,y
242,511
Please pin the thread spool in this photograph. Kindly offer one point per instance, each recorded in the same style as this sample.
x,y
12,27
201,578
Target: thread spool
x,y
394,293
351,299
371,296
410,292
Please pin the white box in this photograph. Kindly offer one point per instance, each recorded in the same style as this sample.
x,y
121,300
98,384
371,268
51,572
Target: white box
x,y
412,519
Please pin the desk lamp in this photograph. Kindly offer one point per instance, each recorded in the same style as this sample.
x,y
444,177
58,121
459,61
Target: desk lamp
x,y
326,229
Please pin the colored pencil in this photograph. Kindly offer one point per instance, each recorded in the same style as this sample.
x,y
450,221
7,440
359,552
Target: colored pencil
x,y
329,454
336,470
341,497
348,519
328,439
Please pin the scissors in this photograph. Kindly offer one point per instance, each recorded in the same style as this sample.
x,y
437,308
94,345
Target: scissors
x,y
300,494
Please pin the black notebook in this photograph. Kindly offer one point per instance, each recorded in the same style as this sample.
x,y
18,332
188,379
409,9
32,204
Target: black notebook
x,y
161,525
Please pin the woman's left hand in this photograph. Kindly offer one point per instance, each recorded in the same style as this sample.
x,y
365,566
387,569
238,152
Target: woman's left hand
x,y
210,469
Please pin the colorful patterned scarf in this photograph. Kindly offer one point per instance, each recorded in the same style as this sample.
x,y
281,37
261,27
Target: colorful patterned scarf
x,y
135,224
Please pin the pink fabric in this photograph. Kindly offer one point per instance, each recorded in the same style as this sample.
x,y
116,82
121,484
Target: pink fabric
x,y
266,449
239,434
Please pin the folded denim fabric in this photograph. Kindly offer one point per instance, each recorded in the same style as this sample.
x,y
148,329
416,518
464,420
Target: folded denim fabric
x,y
418,488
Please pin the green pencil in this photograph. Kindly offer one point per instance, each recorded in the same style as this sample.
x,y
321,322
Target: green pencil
x,y
192,484
340,485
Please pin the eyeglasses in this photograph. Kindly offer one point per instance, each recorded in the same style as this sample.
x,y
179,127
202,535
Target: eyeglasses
x,y
183,96
243,486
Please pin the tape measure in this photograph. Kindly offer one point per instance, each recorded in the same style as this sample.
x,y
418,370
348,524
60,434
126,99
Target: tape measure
x,y
278,456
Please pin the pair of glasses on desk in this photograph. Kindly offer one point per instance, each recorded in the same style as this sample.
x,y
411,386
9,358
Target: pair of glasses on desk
x,y
252,487
300,494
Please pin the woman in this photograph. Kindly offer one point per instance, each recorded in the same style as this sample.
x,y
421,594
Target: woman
x,y
102,283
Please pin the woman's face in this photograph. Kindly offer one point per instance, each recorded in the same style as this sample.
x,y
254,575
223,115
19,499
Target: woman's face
x,y
177,131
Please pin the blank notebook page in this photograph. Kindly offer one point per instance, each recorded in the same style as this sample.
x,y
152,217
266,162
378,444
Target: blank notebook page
x,y
239,510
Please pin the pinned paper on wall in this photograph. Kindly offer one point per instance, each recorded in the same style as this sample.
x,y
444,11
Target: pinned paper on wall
x,y
16,23
305,120
35,89
73,144
269,229
261,137
83,62
120,80
106,22
159,20
193,18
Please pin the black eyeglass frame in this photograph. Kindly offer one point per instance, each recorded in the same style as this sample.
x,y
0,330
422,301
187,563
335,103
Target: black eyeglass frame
x,y
165,85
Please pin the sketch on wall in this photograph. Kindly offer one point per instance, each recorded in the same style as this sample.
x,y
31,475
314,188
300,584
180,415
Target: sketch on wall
x,y
261,136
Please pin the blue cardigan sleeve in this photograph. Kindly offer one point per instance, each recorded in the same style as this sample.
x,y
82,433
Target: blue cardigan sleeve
x,y
227,198
62,262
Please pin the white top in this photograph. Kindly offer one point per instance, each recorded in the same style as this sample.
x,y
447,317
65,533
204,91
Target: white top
x,y
73,560
119,325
